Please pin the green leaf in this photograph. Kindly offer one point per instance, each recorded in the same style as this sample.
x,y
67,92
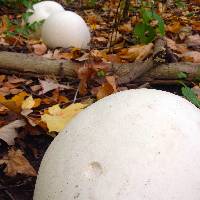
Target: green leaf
x,y
182,75
147,15
145,33
161,24
189,94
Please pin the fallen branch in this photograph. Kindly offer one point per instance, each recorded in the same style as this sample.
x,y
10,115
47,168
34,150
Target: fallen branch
x,y
31,64
28,63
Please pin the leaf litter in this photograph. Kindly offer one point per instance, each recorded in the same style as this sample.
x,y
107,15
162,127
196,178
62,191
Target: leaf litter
x,y
34,110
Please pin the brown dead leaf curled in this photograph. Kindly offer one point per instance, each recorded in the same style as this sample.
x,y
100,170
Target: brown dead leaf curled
x,y
137,52
17,164
107,88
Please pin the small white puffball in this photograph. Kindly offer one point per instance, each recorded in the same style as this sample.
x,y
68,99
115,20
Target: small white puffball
x,y
42,10
137,144
65,29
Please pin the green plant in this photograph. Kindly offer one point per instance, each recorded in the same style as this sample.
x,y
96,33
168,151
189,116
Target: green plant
x,y
92,2
18,3
20,26
152,25
180,4
182,75
190,95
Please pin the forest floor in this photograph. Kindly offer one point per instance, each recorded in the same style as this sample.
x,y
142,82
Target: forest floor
x,y
32,101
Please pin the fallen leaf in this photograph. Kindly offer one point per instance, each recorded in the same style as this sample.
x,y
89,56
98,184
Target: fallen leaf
x,y
4,91
17,164
2,78
28,103
171,44
36,88
8,132
192,56
196,25
14,104
193,41
15,91
39,49
174,27
57,118
137,52
107,88
15,80
126,28
48,85
179,48
3,110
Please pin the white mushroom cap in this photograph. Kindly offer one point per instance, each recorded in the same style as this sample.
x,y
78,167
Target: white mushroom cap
x,y
65,29
134,145
43,10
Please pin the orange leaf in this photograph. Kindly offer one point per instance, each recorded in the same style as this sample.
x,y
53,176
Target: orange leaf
x,y
107,88
174,28
15,103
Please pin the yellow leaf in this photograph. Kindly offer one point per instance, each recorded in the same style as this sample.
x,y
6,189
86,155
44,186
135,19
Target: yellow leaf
x,y
28,103
58,118
15,103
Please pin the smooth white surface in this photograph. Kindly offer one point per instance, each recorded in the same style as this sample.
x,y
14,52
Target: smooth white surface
x,y
42,10
65,29
134,145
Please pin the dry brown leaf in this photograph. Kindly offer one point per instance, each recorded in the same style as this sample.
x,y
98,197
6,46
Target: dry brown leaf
x,y
171,44
3,110
107,88
15,91
100,39
4,91
193,41
180,48
17,164
196,25
39,49
174,28
192,56
137,52
126,28
114,58
15,80
36,88
2,78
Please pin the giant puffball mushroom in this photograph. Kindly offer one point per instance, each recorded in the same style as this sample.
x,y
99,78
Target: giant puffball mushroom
x,y
134,145
41,11
65,29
